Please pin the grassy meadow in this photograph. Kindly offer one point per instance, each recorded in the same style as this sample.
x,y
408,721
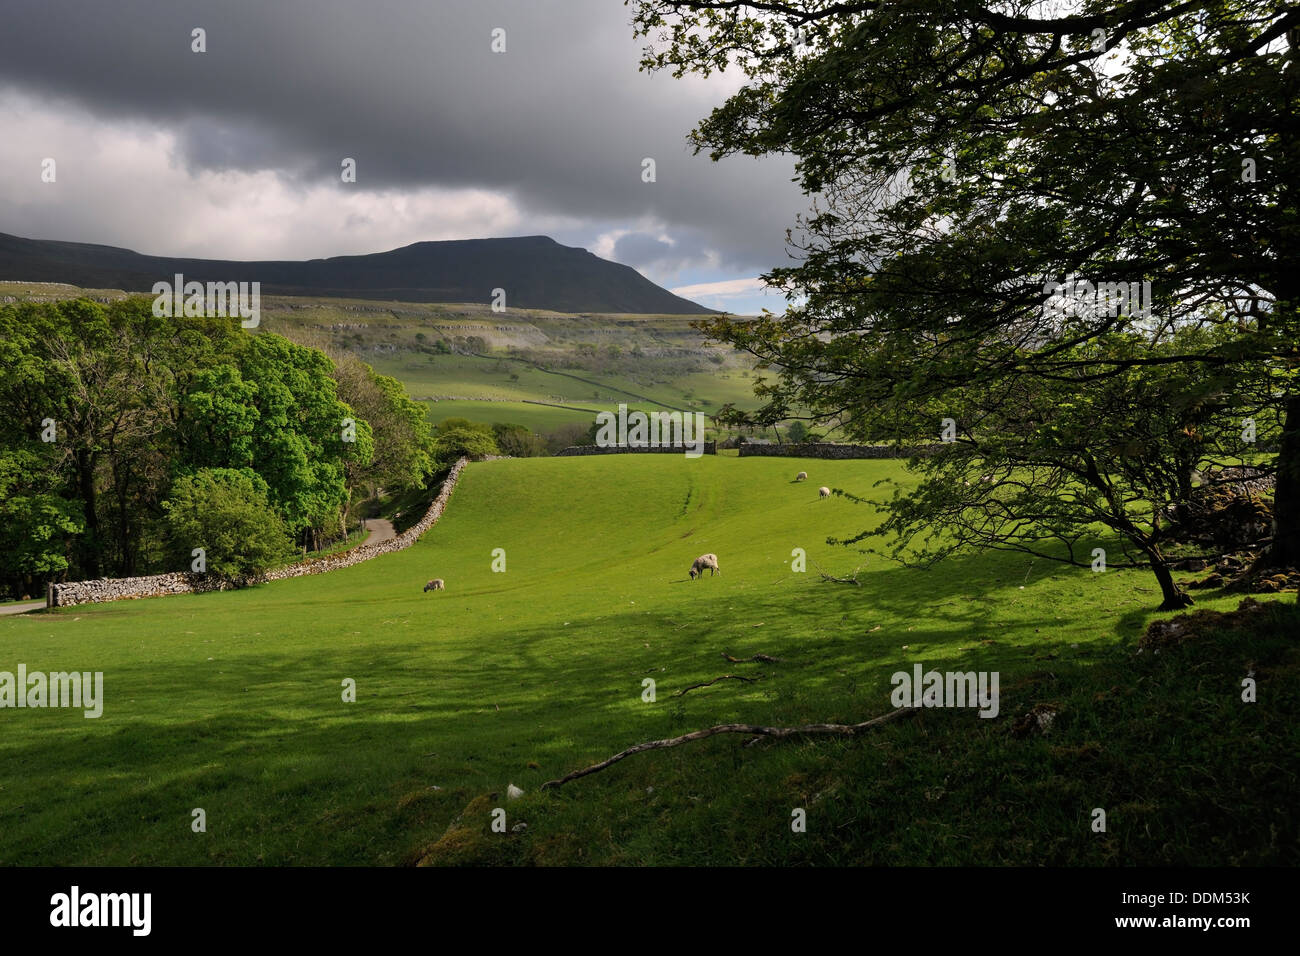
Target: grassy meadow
x,y
232,702
540,419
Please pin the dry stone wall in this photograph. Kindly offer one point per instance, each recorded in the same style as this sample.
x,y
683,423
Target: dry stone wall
x,y
158,585
835,451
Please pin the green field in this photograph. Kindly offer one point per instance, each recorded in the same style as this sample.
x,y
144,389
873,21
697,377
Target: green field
x,y
539,419
470,376
231,702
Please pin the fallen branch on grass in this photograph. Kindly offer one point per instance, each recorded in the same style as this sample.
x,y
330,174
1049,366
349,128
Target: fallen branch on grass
x,y
710,683
851,579
747,660
810,730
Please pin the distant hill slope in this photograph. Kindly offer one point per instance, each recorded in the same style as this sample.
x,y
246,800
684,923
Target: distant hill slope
x,y
536,272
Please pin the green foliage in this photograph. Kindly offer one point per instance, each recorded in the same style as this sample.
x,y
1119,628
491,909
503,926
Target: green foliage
x,y
461,438
135,400
1051,467
275,410
403,442
228,513
517,441
108,378
36,527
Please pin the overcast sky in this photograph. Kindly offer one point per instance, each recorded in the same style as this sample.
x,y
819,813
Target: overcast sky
x,y
236,152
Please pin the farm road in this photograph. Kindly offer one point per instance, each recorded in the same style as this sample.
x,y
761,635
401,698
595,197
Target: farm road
x,y
21,608
381,530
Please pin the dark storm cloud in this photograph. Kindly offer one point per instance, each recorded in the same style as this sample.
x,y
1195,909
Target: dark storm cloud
x,y
412,91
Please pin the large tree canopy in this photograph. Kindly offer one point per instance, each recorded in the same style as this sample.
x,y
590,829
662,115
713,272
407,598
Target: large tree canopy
x,y
106,411
966,156
274,408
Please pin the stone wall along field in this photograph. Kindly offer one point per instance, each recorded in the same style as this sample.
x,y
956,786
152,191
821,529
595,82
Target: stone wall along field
x,y
179,582
836,451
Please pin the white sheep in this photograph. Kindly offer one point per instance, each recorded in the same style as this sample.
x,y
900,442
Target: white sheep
x,y
802,476
709,561
435,585
824,491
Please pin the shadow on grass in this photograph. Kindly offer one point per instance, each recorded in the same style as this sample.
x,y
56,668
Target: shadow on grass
x,y
291,774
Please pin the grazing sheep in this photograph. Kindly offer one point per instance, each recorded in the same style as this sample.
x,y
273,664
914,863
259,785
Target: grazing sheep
x,y
435,585
824,491
802,476
709,561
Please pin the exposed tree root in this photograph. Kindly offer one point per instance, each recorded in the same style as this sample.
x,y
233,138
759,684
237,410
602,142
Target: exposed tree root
x,y
838,730
757,657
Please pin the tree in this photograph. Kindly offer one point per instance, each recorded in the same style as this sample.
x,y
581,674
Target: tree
x,y
461,438
226,512
1087,476
36,526
274,409
114,403
517,441
403,440
965,157
567,435
103,378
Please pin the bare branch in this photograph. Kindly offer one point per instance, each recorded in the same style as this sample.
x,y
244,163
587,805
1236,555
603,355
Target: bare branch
x,y
810,730
710,683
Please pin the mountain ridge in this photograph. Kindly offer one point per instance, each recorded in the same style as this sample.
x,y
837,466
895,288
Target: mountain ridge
x,y
536,272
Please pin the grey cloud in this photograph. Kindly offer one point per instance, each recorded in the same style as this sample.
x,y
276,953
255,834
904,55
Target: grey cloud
x,y
412,91
638,249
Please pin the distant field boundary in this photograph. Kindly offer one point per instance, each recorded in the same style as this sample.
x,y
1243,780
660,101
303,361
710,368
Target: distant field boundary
x,y
100,590
519,401
577,378
835,451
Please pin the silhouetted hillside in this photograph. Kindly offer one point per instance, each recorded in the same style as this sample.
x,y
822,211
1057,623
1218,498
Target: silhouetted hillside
x,y
535,271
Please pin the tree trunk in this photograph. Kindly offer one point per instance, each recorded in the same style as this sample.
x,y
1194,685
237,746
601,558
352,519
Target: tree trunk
x,y
126,545
1285,550
90,563
1175,598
